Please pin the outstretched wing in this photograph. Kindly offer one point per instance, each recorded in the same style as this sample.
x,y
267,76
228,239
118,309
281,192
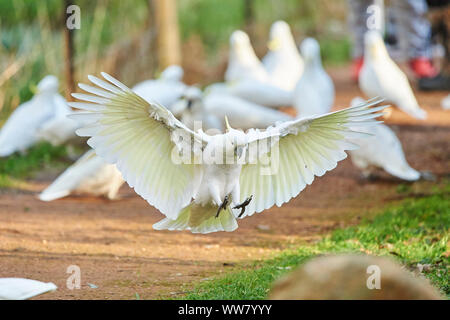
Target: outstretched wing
x,y
298,151
140,138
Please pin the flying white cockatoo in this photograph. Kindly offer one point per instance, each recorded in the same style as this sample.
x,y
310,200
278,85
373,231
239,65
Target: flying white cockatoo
x,y
166,90
204,183
381,77
21,289
381,150
314,93
283,62
211,108
88,175
20,130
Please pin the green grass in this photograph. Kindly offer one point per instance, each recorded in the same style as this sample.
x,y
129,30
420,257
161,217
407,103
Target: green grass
x,y
416,231
18,166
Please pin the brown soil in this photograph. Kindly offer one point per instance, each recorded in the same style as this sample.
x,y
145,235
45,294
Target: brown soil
x,y
118,251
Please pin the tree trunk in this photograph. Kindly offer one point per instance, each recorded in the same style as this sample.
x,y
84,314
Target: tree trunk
x,y
68,54
168,38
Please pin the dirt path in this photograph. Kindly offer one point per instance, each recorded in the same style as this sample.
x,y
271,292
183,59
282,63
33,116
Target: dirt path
x,y
118,251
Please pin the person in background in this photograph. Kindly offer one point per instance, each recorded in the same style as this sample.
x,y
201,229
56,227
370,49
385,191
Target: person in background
x,y
413,33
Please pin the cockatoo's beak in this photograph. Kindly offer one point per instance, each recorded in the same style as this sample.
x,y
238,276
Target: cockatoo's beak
x,y
273,44
227,124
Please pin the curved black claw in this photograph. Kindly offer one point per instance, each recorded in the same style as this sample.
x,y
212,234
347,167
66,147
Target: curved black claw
x,y
223,206
243,205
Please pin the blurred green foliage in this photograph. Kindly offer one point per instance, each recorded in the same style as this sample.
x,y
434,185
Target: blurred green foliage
x,y
20,166
31,30
212,20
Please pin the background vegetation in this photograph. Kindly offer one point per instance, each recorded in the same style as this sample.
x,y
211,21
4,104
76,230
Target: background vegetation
x,y
31,41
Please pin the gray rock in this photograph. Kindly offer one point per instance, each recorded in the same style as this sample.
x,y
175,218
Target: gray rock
x,y
342,277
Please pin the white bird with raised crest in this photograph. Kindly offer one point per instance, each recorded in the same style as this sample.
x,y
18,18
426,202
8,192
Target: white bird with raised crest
x,y
205,183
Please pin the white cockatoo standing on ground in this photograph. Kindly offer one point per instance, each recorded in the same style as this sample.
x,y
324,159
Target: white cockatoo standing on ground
x,y
21,129
314,93
283,61
381,77
243,64
88,175
203,183
21,289
191,109
263,94
167,89
381,150
241,113
247,78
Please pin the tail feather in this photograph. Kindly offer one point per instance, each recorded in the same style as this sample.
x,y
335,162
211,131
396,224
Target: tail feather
x,y
404,172
200,219
50,195
60,188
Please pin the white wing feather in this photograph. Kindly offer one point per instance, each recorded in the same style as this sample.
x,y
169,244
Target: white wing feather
x,y
137,136
307,148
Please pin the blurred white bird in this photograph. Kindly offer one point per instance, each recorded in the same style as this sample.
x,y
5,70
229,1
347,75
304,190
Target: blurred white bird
x,y
20,130
88,175
283,61
21,289
167,89
246,77
381,150
381,77
243,64
60,129
202,183
191,108
446,103
314,93
213,107
242,114
263,94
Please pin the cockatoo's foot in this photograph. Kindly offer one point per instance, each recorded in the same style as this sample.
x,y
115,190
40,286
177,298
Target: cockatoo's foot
x,y
243,205
223,206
